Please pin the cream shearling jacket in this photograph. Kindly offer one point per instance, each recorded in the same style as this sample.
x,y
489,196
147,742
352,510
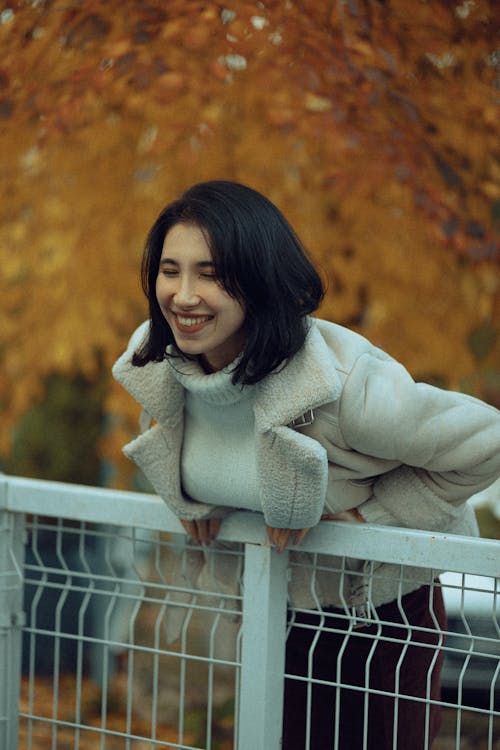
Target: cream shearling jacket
x,y
342,425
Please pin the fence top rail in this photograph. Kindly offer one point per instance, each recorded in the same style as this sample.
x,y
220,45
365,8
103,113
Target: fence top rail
x,y
133,509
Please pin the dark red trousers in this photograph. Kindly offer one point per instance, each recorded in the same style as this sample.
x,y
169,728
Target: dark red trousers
x,y
388,722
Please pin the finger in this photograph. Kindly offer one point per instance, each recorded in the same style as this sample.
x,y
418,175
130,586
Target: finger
x,y
283,537
351,516
299,536
279,538
271,534
214,527
190,529
275,535
203,529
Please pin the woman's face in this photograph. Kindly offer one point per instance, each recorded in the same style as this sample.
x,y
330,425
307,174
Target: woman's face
x,y
205,320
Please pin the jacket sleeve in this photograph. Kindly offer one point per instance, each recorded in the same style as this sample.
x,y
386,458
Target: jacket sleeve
x,y
448,443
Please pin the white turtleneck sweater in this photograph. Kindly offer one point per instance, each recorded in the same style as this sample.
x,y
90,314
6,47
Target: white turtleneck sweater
x,y
218,462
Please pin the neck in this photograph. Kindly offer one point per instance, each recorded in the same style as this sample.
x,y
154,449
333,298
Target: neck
x,y
205,364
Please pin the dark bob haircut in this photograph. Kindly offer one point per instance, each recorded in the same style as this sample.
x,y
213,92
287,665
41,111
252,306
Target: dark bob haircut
x,y
258,260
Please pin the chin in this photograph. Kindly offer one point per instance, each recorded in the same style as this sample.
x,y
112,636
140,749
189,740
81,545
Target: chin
x,y
187,348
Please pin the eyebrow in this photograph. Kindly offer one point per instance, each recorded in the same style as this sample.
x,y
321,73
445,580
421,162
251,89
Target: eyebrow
x,y
200,264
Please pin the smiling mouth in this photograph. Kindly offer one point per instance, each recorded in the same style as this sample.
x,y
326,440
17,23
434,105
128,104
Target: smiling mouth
x,y
190,323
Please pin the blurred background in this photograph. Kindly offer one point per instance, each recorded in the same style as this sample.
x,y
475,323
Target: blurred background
x,y
372,124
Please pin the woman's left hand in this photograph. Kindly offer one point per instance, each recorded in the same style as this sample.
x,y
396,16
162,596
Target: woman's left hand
x,y
279,538
352,516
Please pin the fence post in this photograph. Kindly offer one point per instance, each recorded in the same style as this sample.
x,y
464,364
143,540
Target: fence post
x,y
11,620
263,648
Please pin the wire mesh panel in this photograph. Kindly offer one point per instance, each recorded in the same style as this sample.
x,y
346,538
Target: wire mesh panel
x,y
135,639
423,668
121,647
11,621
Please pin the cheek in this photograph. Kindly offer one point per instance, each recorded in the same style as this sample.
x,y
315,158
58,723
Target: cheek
x,y
161,289
238,316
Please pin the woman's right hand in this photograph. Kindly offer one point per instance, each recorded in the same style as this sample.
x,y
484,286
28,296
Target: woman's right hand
x,y
352,516
203,531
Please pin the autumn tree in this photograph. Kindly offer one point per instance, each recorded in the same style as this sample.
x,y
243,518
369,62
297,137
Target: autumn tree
x,y
373,125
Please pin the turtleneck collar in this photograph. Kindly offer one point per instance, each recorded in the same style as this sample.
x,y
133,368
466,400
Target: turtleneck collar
x,y
214,388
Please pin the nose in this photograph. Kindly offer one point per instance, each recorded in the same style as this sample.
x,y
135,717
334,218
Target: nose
x,y
186,293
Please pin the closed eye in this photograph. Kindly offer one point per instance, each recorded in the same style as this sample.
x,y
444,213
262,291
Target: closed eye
x,y
171,272
205,269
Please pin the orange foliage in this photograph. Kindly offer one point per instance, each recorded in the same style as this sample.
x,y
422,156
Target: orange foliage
x,y
374,127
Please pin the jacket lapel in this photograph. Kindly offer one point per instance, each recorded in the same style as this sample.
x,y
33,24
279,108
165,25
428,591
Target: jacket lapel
x,y
293,467
157,451
153,386
309,380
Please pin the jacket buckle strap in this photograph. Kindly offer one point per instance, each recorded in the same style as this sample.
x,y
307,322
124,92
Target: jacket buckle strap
x,y
305,419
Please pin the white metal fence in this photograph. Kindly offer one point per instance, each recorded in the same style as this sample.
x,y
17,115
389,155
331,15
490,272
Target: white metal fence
x,y
113,635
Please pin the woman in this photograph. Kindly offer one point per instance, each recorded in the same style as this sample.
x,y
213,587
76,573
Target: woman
x,y
259,406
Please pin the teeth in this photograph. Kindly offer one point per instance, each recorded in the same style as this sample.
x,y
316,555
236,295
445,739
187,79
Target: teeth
x,y
192,321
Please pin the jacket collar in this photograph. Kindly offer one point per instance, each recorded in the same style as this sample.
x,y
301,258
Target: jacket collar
x,y
309,380
153,386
